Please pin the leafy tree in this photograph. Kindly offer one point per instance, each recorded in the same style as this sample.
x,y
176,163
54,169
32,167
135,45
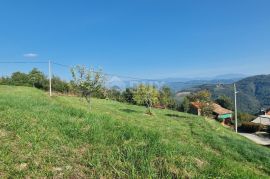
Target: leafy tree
x,y
185,106
173,105
101,93
204,98
127,96
146,95
244,117
60,85
19,79
206,109
165,96
114,94
225,102
5,80
37,79
87,81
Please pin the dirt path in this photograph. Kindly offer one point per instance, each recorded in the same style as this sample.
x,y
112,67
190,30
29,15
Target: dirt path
x,y
257,139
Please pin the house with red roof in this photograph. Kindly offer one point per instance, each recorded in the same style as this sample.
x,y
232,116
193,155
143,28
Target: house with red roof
x,y
221,114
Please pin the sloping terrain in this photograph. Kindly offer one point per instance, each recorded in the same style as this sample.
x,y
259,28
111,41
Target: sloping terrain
x,y
254,92
58,137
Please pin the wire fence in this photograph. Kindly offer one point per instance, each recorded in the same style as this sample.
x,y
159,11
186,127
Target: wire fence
x,y
63,71
121,82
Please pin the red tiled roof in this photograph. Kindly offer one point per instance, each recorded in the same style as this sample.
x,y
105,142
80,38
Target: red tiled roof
x,y
220,110
216,108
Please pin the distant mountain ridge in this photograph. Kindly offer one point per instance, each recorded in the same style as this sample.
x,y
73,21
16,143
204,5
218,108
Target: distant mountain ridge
x,y
176,84
254,92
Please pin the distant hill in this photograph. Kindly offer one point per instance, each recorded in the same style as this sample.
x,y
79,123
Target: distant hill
x,y
254,92
176,84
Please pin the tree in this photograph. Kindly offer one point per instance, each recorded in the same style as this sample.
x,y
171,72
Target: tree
x,y
127,96
5,81
204,98
244,117
19,79
225,102
207,109
37,79
60,85
165,96
185,106
146,95
87,81
114,94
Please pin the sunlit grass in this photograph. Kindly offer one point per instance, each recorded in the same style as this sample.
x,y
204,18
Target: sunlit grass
x,y
59,137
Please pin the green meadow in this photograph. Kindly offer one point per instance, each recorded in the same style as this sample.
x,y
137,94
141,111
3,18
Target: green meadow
x,y
59,137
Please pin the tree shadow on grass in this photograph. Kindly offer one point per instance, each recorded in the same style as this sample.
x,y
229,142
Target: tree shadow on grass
x,y
177,117
129,110
173,115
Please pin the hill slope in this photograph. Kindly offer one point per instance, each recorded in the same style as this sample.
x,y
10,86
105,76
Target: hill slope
x,y
254,92
58,137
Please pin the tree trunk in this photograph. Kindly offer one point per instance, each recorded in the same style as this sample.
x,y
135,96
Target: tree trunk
x,y
88,99
90,107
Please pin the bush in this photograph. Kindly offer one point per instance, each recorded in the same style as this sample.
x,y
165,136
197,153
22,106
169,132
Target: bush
x,y
60,85
250,127
245,117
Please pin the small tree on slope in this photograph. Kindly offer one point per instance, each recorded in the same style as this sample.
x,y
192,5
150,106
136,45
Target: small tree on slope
x,y
87,81
165,96
146,95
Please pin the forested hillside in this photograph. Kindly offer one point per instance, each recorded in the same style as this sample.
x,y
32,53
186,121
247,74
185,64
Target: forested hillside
x,y
254,92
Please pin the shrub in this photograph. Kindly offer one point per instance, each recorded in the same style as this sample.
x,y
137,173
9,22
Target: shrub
x,y
245,117
250,127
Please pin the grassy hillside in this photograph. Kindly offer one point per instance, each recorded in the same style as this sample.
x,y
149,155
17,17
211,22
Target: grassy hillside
x,y
57,137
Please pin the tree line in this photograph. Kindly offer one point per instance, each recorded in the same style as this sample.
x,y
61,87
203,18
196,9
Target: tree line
x,y
36,78
88,83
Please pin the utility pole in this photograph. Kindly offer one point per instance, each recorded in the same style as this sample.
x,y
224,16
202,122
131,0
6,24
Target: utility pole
x,y
235,108
50,78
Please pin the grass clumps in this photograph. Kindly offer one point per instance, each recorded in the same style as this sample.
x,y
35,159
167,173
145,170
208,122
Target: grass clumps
x,y
58,137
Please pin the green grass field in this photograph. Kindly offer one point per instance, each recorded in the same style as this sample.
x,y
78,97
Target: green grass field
x,y
58,137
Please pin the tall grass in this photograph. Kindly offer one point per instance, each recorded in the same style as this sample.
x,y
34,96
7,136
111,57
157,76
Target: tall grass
x,y
59,137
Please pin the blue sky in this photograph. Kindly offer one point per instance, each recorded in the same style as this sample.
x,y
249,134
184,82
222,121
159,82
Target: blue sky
x,y
140,38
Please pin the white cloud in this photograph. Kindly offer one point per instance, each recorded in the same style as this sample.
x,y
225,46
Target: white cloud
x,y
30,55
